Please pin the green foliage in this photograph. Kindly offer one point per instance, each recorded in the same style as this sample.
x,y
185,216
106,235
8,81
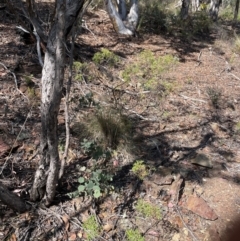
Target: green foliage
x,y
148,209
134,235
155,16
140,169
31,92
28,81
94,150
200,23
87,100
80,69
92,182
237,44
237,127
92,228
227,13
106,57
148,69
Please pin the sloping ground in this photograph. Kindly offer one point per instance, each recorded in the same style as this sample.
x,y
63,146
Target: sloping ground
x,y
184,126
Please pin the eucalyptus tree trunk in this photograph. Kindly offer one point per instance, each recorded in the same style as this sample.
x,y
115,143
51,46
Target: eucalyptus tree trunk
x,y
46,176
185,9
123,23
195,5
214,9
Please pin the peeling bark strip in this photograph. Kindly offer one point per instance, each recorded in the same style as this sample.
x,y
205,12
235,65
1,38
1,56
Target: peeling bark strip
x,y
123,23
12,200
46,176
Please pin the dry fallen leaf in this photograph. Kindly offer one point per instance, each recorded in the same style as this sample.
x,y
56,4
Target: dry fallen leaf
x,y
65,219
72,237
80,234
107,227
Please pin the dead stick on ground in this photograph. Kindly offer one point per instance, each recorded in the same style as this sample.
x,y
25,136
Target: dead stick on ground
x,y
190,98
234,76
15,80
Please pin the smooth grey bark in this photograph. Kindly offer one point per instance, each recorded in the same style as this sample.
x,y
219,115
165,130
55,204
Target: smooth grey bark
x,y
185,9
214,9
195,5
123,23
46,176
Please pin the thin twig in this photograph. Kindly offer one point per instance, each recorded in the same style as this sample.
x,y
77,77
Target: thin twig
x,y
38,47
234,76
199,58
140,116
180,215
15,80
67,119
10,152
86,27
190,98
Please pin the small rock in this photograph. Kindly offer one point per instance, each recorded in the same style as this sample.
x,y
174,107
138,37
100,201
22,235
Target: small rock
x,y
202,160
200,207
176,237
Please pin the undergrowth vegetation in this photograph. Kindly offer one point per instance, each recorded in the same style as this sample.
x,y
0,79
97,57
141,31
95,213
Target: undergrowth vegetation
x,y
134,235
92,228
148,69
148,210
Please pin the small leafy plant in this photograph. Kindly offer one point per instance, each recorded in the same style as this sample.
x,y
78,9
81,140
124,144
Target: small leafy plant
x,y
92,228
148,209
106,57
94,183
140,169
80,69
97,152
134,235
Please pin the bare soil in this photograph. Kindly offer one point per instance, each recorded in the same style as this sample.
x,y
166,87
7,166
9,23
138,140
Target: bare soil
x,y
189,136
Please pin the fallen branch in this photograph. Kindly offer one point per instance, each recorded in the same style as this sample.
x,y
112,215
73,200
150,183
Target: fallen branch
x,y
190,98
234,76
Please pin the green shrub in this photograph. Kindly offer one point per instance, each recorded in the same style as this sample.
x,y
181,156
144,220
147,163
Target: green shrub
x,y
148,209
140,169
79,69
134,235
148,69
92,228
106,57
